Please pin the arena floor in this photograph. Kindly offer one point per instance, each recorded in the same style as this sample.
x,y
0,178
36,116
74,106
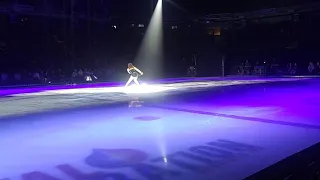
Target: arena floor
x,y
181,129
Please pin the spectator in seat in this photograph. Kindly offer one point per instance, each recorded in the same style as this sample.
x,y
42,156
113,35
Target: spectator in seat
x,y
290,68
4,78
247,67
36,77
311,68
295,69
317,68
17,78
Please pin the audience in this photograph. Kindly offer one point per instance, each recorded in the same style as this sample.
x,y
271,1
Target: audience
x,y
57,76
34,52
311,68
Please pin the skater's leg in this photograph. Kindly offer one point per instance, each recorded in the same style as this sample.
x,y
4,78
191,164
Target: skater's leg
x,y
136,81
129,81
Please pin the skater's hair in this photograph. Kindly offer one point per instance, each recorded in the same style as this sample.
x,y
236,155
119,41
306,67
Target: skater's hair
x,y
130,66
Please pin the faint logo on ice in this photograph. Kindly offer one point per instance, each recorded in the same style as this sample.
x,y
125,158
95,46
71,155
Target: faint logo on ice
x,y
202,160
115,158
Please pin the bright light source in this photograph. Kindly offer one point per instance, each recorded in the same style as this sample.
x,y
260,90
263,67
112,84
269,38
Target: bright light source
x,y
141,25
88,78
165,160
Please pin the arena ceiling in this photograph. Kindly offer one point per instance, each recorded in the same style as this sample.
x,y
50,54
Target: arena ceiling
x,y
174,10
180,9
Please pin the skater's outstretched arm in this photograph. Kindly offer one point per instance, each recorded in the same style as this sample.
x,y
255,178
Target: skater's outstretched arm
x,y
138,70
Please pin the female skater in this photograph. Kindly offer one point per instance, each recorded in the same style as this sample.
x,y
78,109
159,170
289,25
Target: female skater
x,y
134,74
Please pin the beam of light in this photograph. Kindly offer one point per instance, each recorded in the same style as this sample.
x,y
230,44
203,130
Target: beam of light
x,y
150,54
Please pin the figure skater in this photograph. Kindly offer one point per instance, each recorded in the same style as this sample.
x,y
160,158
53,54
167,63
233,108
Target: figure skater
x,y
134,74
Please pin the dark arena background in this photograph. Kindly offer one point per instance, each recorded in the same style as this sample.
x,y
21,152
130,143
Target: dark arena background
x,y
225,90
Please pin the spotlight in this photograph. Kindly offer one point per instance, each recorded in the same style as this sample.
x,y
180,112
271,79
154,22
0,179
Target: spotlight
x,y
88,78
150,53
174,27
